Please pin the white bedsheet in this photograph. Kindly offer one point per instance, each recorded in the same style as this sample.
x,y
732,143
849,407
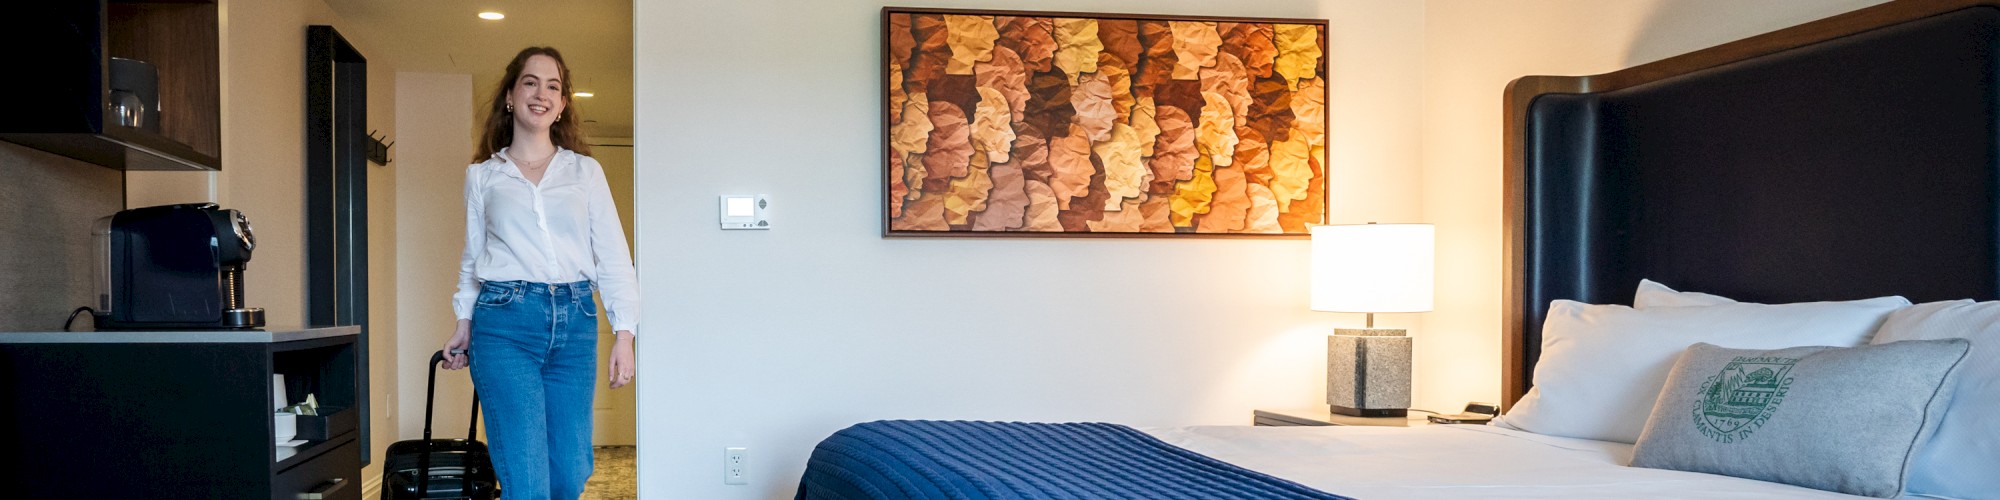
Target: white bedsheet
x,y
1459,461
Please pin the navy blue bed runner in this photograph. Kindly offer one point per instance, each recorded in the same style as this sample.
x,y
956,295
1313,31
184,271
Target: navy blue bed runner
x,y
925,459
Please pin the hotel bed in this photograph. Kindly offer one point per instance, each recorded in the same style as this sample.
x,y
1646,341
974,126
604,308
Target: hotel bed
x,y
1851,157
1459,461
1438,461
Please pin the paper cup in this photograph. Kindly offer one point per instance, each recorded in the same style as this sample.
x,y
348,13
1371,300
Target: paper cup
x,y
278,401
285,426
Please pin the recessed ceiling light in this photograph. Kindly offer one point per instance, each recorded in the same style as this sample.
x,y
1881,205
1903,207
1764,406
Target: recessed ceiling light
x,y
584,94
492,16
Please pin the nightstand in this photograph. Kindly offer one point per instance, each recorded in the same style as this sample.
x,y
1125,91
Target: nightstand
x,y
1321,416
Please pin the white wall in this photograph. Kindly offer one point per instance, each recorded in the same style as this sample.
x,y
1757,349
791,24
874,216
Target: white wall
x,y
774,339
435,114
1473,48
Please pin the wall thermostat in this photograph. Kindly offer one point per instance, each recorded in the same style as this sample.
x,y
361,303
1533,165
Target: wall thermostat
x,y
742,211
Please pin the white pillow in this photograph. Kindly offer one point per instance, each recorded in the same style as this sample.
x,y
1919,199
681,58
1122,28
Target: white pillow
x,y
1653,294
1602,366
1960,459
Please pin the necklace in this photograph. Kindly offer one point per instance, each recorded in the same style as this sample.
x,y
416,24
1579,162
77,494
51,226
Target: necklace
x,y
536,165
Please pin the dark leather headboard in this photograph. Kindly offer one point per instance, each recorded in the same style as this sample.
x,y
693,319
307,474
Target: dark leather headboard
x,y
1853,157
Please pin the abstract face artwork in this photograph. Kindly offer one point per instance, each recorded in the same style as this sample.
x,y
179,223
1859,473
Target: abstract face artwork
x,y
1024,123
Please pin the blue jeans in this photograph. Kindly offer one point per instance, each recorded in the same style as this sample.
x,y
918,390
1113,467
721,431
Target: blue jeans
x,y
534,360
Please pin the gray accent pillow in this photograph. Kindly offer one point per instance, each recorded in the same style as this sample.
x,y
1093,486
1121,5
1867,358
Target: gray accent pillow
x,y
1829,418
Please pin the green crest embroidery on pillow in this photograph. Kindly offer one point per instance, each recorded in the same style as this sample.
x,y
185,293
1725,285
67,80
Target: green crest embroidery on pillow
x,y
1739,399
1855,415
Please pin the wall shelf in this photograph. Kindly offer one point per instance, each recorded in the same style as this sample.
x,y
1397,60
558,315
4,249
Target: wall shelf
x,y
66,107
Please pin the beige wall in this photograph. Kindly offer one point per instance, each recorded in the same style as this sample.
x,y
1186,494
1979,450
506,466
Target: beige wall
x,y
774,339
434,112
48,204
263,174
614,411
436,115
1472,49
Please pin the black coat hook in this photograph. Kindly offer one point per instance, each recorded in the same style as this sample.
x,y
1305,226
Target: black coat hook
x,y
378,153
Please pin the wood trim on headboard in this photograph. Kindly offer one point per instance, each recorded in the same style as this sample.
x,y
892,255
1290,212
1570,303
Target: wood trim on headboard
x,y
1516,377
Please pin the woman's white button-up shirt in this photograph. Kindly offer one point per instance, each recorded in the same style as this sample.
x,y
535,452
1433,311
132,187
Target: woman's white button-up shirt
x,y
563,230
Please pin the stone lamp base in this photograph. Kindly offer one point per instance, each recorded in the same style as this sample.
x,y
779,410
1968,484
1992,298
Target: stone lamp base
x,y
1368,372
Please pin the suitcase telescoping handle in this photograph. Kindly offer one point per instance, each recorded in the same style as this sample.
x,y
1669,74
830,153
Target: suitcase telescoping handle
x,y
430,398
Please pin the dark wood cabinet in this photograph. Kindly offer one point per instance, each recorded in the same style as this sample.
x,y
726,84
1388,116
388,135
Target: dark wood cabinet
x,y
62,98
176,414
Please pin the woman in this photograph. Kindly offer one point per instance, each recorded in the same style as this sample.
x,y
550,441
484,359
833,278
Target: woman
x,y
541,236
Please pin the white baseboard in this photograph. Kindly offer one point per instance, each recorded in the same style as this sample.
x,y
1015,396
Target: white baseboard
x,y
372,488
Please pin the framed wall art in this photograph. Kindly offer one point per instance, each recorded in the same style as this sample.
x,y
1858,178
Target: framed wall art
x,y
1001,123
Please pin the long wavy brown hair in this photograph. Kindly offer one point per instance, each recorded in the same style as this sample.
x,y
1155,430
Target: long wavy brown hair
x,y
499,130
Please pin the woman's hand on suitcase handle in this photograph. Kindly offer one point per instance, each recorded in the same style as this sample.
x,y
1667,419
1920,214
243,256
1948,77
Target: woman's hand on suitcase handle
x,y
455,349
621,360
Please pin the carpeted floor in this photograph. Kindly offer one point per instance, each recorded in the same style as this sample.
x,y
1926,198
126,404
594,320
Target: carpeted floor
x,y
616,476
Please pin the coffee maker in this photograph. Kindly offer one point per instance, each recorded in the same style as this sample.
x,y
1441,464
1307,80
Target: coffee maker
x,y
173,267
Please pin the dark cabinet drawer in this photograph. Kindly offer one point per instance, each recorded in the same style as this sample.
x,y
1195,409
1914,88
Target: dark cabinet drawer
x,y
335,474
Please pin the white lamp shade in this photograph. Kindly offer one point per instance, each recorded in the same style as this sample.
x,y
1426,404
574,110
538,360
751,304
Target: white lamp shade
x,y
1372,268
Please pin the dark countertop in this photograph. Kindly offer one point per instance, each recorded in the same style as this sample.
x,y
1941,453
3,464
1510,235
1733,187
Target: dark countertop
x,y
266,335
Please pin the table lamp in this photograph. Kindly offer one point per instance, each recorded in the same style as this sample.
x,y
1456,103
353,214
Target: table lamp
x,y
1371,268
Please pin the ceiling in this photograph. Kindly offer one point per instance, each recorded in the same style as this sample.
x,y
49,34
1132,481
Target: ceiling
x,y
447,36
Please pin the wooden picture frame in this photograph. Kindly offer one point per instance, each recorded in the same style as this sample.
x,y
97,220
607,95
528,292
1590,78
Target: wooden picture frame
x,y
1004,123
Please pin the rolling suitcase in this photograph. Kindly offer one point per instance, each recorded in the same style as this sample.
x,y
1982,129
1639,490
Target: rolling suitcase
x,y
440,468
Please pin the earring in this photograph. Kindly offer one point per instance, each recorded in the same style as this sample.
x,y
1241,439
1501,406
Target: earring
x,y
510,108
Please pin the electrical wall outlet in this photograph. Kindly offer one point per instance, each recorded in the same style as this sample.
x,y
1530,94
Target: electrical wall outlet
x,y
734,463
